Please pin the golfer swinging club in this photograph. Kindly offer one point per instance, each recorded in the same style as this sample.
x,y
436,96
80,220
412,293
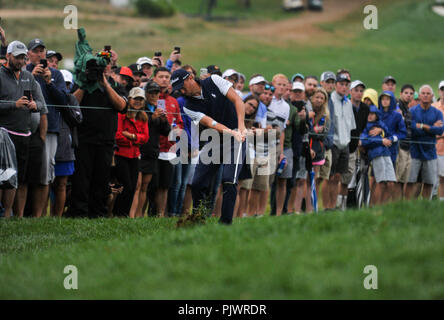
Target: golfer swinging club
x,y
214,104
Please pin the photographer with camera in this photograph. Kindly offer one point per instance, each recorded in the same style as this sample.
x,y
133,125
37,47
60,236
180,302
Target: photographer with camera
x,y
96,133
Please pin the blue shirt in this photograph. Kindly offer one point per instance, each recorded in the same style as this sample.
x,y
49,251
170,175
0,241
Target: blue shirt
x,y
426,151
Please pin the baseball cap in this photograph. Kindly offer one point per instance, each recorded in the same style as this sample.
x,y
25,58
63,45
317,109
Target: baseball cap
x,y
257,80
241,75
297,75
144,60
136,69
298,86
34,43
16,48
385,93
327,75
213,69
229,73
441,84
152,86
177,78
356,83
342,77
51,53
125,71
389,78
67,76
136,92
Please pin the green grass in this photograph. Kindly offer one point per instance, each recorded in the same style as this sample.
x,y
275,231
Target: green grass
x,y
291,257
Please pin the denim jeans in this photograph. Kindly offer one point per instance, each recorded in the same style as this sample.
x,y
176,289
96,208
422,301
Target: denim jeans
x,y
176,194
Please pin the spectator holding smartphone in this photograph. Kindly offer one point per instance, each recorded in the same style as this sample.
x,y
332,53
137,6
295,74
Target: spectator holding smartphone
x,y
16,116
54,91
158,125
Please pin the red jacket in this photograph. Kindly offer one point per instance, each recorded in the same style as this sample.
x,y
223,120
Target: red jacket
x,y
130,148
173,112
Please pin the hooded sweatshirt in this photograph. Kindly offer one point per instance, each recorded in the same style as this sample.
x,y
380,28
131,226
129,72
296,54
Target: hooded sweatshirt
x,y
394,122
372,94
374,145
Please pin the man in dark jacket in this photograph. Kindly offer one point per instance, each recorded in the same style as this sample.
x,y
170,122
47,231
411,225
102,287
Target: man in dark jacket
x,y
95,151
54,90
215,104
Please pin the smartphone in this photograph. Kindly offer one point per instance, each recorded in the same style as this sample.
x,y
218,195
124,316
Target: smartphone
x,y
161,104
177,49
107,48
44,62
203,72
27,94
158,54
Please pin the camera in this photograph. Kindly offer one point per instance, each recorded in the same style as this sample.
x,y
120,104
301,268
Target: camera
x,y
177,49
158,54
107,48
93,72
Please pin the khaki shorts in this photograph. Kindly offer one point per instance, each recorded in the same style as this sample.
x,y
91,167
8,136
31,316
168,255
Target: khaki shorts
x,y
261,172
403,166
347,177
324,170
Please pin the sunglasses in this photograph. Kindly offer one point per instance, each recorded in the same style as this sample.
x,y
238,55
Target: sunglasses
x,y
268,87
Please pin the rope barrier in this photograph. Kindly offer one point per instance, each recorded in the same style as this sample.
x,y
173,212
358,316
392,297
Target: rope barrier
x,y
181,113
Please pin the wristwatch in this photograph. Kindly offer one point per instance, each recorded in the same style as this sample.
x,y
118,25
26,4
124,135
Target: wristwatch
x,y
422,126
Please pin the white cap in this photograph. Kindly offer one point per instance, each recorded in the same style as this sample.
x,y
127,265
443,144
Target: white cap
x,y
67,76
229,73
257,80
441,84
136,92
356,83
16,48
144,60
298,86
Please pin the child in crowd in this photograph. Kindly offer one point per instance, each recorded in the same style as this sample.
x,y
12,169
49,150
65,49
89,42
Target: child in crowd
x,y
378,153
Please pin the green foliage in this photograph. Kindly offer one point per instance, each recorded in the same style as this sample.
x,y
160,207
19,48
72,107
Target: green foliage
x,y
155,8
